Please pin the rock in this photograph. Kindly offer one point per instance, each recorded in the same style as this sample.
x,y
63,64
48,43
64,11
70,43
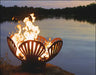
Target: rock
x,y
54,70
17,70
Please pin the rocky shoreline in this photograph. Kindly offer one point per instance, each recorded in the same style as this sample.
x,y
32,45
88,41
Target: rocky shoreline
x,y
17,70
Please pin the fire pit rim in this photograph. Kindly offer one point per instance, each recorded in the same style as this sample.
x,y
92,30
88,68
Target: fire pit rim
x,y
53,42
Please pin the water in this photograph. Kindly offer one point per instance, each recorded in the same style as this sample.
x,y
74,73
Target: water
x,y
78,52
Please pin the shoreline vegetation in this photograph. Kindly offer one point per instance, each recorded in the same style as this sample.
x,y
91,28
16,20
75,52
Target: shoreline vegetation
x,y
80,13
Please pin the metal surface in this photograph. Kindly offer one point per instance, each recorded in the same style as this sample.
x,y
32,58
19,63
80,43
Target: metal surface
x,y
54,49
33,49
11,45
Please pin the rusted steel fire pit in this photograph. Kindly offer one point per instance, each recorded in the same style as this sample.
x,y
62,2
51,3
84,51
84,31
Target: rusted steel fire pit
x,y
36,52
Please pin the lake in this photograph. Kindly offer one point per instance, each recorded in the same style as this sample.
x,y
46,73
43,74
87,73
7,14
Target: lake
x,y
78,52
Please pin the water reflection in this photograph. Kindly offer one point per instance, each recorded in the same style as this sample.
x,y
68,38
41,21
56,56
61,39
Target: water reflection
x,y
78,52
66,29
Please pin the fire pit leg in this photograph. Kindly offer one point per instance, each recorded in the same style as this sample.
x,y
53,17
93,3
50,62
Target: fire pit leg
x,y
44,68
34,67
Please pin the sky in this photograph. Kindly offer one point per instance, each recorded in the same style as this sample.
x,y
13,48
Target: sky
x,y
46,4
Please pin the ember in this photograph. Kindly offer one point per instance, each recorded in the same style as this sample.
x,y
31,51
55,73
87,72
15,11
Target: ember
x,y
28,46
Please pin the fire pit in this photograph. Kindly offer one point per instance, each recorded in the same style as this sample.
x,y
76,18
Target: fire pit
x,y
31,48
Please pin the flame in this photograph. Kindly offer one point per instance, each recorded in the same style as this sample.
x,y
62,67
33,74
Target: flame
x,y
13,18
31,31
28,32
45,56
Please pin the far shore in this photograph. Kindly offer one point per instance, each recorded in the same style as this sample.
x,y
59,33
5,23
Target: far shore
x,y
80,13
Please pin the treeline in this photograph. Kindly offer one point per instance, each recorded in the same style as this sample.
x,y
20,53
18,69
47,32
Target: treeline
x,y
80,13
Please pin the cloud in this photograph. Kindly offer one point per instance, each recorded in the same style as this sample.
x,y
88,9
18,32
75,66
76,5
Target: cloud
x,y
46,4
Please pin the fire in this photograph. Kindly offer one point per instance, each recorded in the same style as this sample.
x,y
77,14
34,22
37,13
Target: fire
x,y
28,32
46,55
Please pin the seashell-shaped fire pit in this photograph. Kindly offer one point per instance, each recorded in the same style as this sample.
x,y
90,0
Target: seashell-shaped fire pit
x,y
33,50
